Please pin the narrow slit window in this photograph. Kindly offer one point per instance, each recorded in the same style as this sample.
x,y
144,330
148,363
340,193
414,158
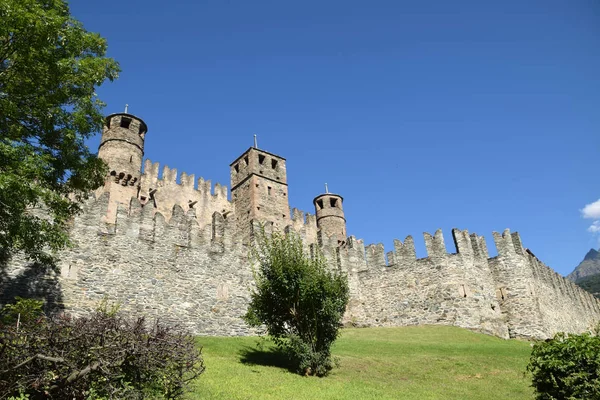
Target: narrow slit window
x,y
269,190
273,164
261,159
246,160
237,168
125,122
320,204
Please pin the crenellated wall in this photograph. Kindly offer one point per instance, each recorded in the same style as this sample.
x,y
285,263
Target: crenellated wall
x,y
176,269
510,295
186,266
176,248
450,289
165,192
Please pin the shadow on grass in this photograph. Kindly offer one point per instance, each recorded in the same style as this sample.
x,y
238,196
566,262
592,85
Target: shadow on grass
x,y
272,357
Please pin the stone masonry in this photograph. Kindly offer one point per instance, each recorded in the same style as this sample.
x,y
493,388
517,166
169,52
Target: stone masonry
x,y
177,249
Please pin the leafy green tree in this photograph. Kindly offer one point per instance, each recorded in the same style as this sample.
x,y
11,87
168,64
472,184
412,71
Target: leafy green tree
x,y
566,367
299,300
49,69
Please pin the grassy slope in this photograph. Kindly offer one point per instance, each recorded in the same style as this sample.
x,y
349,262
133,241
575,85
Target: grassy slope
x,y
376,363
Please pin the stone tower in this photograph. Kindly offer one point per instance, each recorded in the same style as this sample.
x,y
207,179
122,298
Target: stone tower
x,y
330,215
122,148
259,189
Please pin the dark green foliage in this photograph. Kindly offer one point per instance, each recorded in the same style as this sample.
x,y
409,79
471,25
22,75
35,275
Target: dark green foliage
x,y
104,356
566,367
23,311
50,67
591,284
299,300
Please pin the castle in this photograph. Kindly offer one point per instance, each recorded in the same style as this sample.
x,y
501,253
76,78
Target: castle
x,y
178,251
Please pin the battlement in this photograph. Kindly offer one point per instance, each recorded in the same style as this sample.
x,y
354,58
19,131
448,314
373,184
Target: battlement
x,y
138,222
467,245
164,192
170,176
305,224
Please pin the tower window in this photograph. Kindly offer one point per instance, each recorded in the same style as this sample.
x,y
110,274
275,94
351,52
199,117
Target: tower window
x,y
125,122
333,202
237,168
261,159
246,160
131,159
273,164
269,190
320,204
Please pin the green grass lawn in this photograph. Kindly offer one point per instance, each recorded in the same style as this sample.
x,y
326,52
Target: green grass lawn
x,y
422,362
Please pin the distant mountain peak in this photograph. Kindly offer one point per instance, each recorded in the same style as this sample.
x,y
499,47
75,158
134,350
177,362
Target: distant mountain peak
x,y
589,266
592,255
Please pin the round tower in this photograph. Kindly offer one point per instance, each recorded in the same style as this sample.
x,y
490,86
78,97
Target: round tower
x,y
330,215
122,147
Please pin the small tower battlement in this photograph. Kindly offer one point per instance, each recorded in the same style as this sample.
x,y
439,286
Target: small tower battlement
x,y
330,215
122,147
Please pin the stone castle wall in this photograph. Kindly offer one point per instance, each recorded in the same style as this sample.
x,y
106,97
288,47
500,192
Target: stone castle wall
x,y
195,272
176,248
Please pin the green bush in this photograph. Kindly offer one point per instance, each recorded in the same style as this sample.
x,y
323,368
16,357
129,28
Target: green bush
x,y
102,356
299,300
566,367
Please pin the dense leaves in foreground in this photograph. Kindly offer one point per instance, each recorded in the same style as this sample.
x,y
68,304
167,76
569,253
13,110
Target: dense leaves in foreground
x,y
103,356
50,67
299,300
566,367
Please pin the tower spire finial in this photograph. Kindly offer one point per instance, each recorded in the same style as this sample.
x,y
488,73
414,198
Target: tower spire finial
x,y
126,107
326,188
255,142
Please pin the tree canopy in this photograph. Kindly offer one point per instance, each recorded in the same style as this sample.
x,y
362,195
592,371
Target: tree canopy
x,y
299,299
50,67
566,367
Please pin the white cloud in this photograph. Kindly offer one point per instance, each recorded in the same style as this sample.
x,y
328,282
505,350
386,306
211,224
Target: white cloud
x,y
591,210
594,227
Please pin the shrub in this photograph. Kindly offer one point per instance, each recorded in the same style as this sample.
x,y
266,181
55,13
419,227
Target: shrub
x,y
299,300
566,367
104,356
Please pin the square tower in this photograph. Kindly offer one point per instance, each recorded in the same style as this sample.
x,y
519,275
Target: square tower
x,y
259,189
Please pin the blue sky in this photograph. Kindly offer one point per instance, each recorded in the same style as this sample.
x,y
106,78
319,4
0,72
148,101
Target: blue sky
x,y
422,114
